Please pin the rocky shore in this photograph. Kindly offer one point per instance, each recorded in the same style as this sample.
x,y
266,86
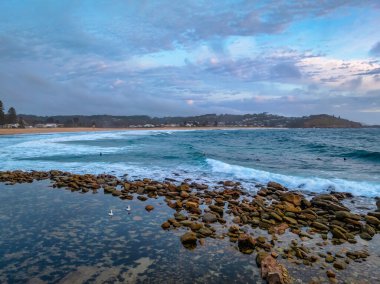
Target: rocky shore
x,y
255,223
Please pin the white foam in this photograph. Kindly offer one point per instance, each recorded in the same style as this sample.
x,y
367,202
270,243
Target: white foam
x,y
314,184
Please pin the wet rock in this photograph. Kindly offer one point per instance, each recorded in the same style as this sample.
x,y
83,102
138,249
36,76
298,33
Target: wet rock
x,y
330,274
320,226
328,205
338,234
293,198
275,216
204,231
290,220
329,258
192,205
179,217
275,186
372,220
142,198
280,229
165,225
273,272
196,226
365,236
189,240
339,264
374,214
216,209
149,208
228,183
209,218
246,243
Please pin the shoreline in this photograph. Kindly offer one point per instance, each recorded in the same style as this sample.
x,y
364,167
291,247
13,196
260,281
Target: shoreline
x,y
285,232
14,131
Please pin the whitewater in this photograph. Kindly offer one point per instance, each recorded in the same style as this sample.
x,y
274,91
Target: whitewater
x,y
316,160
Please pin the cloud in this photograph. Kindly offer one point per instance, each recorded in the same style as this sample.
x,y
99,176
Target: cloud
x,y
375,50
178,58
285,70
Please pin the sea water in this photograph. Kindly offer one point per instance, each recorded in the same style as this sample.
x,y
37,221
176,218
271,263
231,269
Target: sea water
x,y
314,160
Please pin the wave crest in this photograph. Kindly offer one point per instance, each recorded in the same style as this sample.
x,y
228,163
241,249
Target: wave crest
x,y
314,184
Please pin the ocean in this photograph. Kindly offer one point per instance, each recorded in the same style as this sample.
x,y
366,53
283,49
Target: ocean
x,y
315,160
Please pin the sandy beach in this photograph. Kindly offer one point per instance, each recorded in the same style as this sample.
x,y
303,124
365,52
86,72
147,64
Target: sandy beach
x,y
90,129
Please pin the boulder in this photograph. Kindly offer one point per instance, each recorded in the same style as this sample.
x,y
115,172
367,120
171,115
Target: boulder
x,y
165,225
372,220
189,240
273,272
217,209
149,208
275,186
291,197
209,217
246,243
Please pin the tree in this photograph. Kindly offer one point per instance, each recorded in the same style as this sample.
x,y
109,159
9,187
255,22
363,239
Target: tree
x,y
12,116
21,122
2,115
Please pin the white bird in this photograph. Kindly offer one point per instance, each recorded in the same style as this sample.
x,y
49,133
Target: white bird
x,y
110,213
128,208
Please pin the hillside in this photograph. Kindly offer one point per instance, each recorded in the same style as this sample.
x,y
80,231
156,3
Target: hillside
x,y
247,120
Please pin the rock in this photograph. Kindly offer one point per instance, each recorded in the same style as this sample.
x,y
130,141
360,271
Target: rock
x,y
204,231
246,243
365,236
116,193
196,226
150,188
280,229
374,214
276,216
191,204
329,258
228,183
330,274
273,272
344,214
142,198
209,217
338,234
189,240
233,229
372,220
186,223
275,185
184,194
236,220
165,225
291,197
328,205
290,207
149,208
339,264
320,226
216,209
290,220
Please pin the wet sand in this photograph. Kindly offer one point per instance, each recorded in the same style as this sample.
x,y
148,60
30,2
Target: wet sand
x,y
90,129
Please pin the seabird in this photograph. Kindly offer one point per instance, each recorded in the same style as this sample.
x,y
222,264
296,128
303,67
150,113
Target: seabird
x,y
128,208
110,213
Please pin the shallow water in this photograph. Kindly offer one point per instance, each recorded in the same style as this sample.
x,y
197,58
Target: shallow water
x,y
56,236
310,159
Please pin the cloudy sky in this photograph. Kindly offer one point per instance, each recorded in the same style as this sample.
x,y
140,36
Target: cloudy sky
x,y
191,57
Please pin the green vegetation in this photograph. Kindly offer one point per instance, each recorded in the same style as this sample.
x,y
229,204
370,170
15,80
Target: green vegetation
x,y
207,120
10,117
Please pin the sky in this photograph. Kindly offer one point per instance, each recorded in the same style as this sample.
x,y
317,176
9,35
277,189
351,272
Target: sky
x,y
169,58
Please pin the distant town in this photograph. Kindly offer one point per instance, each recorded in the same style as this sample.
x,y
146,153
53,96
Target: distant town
x,y
10,119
